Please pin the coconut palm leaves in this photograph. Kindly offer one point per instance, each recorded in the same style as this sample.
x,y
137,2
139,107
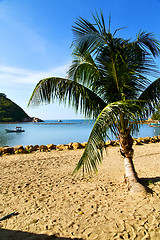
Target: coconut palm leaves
x,y
147,42
67,91
108,80
151,96
108,120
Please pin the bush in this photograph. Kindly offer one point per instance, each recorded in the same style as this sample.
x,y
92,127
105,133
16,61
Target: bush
x,y
156,116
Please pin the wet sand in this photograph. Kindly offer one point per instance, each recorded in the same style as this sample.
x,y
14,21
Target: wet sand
x,y
51,204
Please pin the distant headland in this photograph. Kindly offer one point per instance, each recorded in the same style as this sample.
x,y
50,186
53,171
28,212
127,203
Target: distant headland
x,y
11,112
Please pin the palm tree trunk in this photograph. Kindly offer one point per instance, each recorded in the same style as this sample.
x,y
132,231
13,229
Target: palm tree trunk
x,y
126,143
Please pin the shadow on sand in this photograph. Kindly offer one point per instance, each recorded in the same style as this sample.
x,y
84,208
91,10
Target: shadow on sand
x,y
147,181
6,234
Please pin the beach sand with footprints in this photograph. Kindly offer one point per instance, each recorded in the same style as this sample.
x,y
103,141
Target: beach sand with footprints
x,y
48,203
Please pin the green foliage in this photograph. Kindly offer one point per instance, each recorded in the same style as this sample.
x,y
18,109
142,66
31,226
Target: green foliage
x,y
108,119
9,111
156,115
108,80
5,119
2,95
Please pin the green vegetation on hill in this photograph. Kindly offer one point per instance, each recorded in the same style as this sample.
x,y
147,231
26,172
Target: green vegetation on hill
x,y
156,115
10,111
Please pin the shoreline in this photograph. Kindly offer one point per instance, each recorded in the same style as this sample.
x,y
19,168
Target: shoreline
x,y
49,202
143,121
19,149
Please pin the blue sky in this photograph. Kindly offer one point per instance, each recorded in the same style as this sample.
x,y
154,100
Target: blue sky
x,y
35,39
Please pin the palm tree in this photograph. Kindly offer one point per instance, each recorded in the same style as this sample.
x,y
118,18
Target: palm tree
x,y
107,81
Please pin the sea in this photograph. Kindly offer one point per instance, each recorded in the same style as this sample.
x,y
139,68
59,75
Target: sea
x,y
53,131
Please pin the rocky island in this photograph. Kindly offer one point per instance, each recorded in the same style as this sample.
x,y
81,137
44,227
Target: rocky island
x,y
11,112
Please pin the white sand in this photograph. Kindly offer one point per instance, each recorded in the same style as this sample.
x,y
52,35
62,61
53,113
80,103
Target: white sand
x,y
39,186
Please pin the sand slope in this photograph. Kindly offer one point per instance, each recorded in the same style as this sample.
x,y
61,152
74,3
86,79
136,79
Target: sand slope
x,y
39,186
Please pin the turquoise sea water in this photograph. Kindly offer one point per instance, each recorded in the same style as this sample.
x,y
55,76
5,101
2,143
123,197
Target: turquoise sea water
x,y
51,131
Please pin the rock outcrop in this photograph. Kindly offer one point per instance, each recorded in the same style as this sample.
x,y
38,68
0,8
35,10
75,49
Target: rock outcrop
x,y
11,112
71,146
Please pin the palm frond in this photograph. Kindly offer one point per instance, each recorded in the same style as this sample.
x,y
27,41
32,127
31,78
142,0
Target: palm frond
x,y
83,68
147,41
108,120
151,96
90,37
67,91
100,23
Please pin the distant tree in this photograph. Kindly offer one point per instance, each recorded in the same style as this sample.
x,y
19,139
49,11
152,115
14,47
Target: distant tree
x,y
108,81
3,95
156,115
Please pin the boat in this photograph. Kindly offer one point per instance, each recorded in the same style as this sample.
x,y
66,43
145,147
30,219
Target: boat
x,y
59,120
17,129
155,124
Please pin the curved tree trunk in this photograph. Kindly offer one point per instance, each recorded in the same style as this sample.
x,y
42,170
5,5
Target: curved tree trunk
x,y
126,143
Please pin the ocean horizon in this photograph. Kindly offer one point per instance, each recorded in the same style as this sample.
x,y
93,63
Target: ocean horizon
x,y
56,132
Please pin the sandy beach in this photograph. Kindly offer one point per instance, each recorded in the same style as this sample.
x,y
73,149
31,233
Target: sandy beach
x,y
50,204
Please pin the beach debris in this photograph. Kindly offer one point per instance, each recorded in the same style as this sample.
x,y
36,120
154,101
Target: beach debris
x,y
81,212
8,216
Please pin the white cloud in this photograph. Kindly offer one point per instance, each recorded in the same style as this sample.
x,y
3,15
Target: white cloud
x,y
13,75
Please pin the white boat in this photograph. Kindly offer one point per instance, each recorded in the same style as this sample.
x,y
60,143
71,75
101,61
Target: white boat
x,y
155,124
17,129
